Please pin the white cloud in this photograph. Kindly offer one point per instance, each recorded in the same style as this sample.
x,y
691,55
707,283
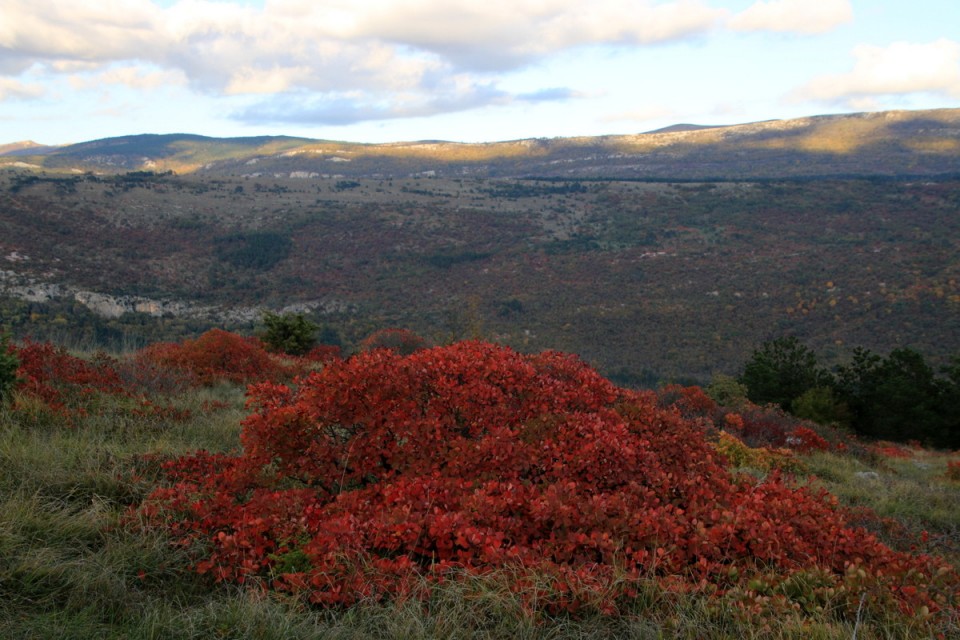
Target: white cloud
x,y
407,57
497,34
900,68
645,114
81,31
74,66
209,41
793,16
251,80
404,57
135,77
12,88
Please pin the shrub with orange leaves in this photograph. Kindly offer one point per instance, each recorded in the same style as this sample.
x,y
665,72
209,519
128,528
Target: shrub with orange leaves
x,y
891,450
805,440
57,383
64,385
217,356
323,354
383,470
63,380
953,470
738,455
403,341
691,401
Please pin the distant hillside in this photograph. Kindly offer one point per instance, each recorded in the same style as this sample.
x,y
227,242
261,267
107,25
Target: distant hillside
x,y
24,148
646,280
920,143
181,153
664,254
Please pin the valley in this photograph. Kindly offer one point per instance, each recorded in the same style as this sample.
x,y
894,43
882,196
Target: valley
x,y
646,280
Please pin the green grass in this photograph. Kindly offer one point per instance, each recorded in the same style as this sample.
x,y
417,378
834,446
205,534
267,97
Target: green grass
x,y
69,568
914,492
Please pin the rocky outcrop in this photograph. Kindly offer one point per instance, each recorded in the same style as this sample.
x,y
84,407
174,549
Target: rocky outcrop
x,y
114,307
109,306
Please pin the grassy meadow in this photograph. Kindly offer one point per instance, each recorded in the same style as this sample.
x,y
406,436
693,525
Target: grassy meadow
x,y
75,564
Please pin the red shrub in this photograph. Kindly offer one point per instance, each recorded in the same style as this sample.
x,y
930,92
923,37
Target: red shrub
x,y
216,356
403,341
42,363
766,427
323,354
953,470
890,450
384,468
73,387
805,440
65,383
691,401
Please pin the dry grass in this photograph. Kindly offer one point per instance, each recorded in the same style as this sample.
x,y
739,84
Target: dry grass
x,y
69,569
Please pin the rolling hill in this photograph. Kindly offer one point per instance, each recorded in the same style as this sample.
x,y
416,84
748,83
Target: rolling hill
x,y
842,230
886,143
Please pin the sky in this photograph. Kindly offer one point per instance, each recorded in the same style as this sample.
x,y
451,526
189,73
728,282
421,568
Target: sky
x,y
461,70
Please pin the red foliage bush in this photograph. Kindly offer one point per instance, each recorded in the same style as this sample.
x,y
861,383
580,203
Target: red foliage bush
x,y
692,402
953,470
767,427
63,382
805,440
890,450
323,354
72,387
217,356
384,468
58,378
403,341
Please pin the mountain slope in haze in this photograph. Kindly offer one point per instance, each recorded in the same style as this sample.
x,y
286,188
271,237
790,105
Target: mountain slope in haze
x,y
182,153
25,148
885,144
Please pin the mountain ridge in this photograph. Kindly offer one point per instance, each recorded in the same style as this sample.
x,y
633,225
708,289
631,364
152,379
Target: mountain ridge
x,y
878,143
25,147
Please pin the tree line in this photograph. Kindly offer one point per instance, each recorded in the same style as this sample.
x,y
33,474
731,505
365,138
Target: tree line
x,y
896,397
